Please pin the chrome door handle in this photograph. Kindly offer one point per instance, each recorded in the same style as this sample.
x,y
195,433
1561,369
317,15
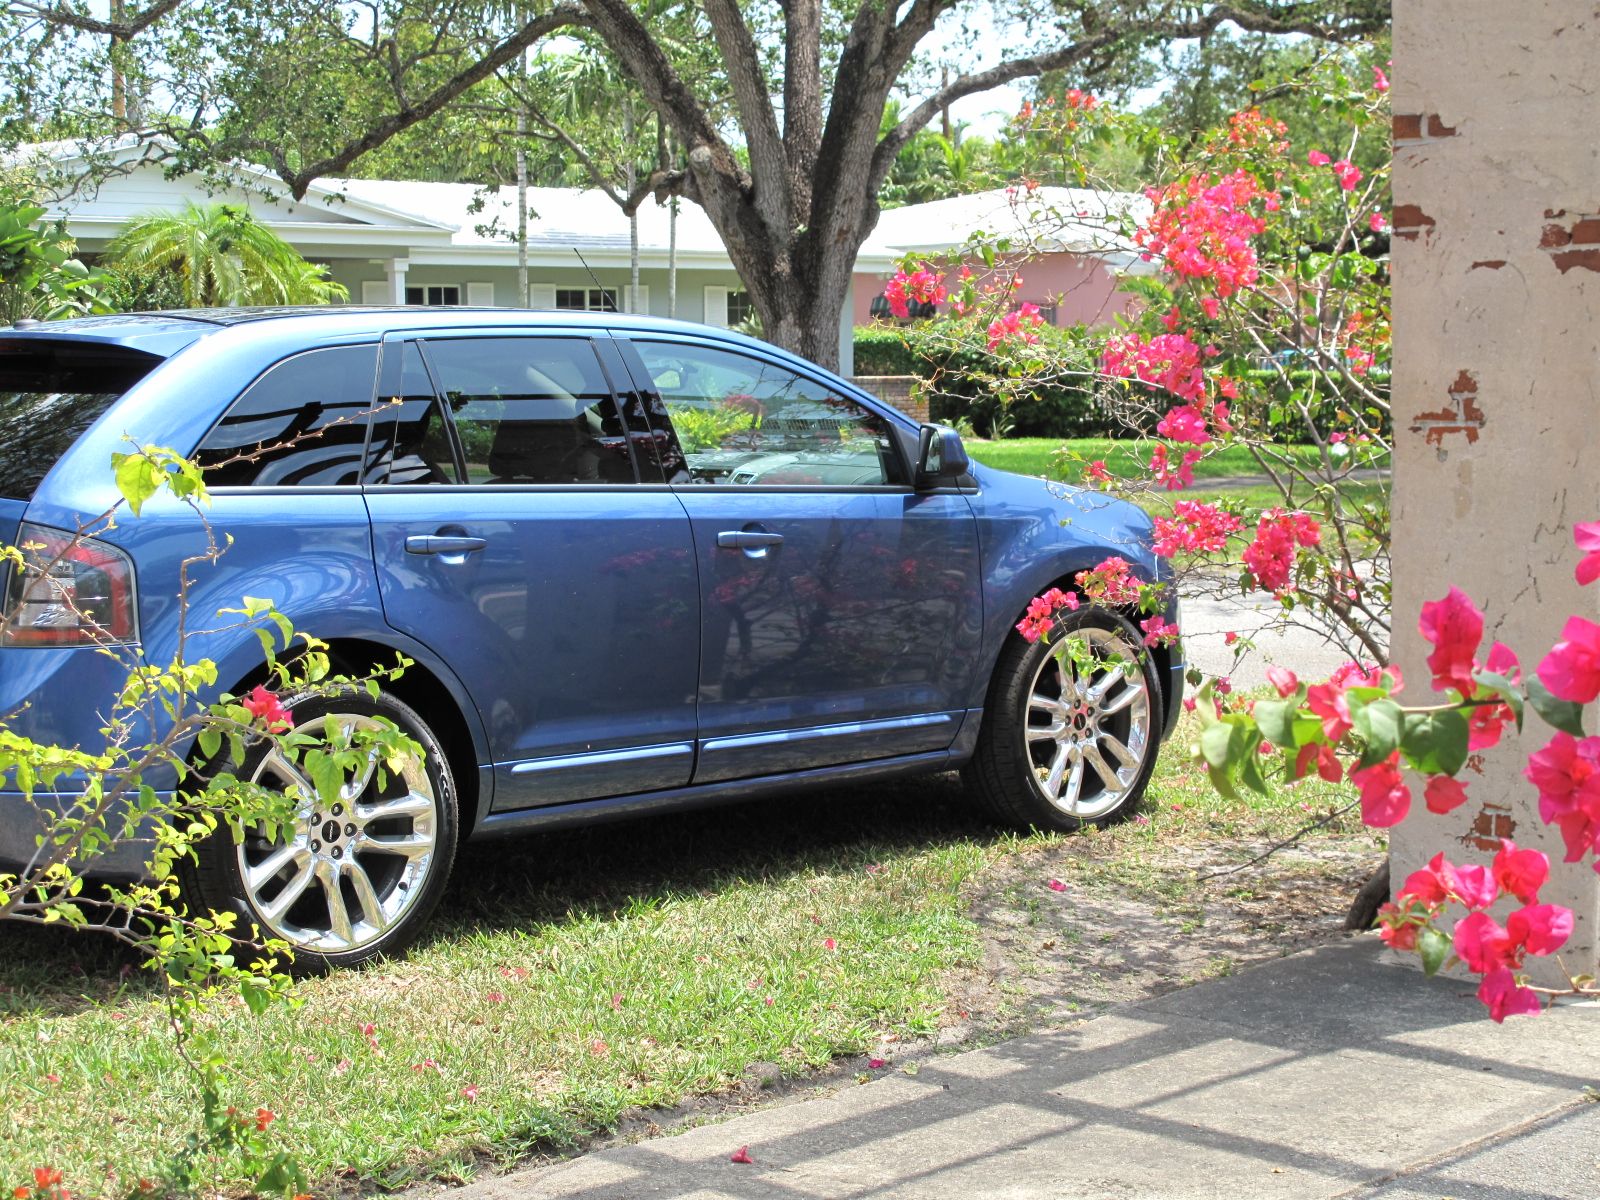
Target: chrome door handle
x,y
739,539
435,543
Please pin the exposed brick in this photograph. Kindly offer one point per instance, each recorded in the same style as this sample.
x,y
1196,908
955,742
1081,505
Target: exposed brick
x,y
1492,264
1589,260
1587,231
1409,221
1407,127
1489,827
1554,235
1461,415
895,390
1438,129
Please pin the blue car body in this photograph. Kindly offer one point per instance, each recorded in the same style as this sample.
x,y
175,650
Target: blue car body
x,y
589,657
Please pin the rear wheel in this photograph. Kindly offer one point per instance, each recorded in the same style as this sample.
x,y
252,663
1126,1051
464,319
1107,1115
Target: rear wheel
x,y
1071,728
352,879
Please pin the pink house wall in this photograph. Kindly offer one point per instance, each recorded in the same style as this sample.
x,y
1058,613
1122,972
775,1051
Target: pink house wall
x,y
1083,290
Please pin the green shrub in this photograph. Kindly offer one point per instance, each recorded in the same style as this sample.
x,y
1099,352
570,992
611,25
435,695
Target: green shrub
x,y
964,380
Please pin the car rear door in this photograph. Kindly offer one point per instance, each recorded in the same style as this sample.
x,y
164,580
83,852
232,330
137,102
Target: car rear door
x,y
841,611
514,536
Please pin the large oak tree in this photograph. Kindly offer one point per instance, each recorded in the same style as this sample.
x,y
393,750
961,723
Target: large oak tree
x,y
783,145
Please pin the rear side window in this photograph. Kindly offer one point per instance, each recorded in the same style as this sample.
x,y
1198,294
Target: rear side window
x,y
532,410
302,424
49,394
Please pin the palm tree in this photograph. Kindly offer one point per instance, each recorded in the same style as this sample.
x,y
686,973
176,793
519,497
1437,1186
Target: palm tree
x,y
223,256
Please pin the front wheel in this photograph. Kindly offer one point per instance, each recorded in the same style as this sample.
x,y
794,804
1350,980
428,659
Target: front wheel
x,y
352,879
1071,728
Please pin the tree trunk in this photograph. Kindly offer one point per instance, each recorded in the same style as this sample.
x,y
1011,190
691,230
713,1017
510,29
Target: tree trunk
x,y
672,257
631,175
1373,895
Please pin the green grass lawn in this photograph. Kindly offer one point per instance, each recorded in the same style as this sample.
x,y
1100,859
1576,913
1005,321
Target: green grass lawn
x,y
569,977
1054,458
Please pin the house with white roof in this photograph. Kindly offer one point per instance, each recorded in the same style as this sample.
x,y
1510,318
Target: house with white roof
x,y
403,242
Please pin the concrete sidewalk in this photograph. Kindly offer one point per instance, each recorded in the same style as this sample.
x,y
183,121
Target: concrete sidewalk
x,y
1336,1072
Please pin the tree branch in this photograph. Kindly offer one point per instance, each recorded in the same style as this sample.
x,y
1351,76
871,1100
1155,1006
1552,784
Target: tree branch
x,y
121,31
562,16
769,167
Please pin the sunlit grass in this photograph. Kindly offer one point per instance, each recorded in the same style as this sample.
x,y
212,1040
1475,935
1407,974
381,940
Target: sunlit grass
x,y
572,976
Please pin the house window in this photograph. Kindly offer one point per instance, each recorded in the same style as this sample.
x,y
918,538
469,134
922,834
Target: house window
x,y
739,308
587,299
433,295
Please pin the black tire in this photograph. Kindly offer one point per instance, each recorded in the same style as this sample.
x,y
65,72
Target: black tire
x,y
1093,732
400,840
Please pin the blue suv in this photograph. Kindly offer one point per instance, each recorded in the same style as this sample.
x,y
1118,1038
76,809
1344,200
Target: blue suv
x,y
638,565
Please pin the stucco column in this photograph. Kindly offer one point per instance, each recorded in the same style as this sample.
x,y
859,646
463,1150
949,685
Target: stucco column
x,y
395,268
1497,372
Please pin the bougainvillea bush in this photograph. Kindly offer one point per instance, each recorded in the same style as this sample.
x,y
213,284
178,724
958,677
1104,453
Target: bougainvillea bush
x,y
1271,261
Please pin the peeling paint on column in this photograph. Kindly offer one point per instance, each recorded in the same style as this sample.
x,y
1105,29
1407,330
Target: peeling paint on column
x,y
1460,415
1491,264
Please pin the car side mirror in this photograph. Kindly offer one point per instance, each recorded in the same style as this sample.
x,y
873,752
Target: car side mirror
x,y
941,458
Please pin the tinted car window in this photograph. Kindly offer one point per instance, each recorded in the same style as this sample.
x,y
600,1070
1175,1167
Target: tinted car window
x,y
302,424
531,410
743,420
410,434
50,394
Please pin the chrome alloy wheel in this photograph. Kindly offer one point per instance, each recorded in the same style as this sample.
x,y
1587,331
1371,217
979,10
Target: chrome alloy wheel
x,y
350,870
1088,731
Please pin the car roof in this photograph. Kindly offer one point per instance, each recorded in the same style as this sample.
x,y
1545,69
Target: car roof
x,y
167,332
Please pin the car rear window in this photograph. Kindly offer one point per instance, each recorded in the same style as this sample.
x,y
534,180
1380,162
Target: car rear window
x,y
49,394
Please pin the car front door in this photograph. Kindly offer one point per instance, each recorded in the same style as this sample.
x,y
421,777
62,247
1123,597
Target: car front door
x,y
841,611
513,536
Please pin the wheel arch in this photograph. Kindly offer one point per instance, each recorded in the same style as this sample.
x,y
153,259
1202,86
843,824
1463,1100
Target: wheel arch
x,y
433,693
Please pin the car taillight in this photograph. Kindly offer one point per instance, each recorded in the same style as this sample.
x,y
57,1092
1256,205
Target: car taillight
x,y
72,592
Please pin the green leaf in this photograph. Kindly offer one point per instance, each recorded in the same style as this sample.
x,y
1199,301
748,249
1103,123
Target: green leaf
x,y
1508,692
1276,719
1565,715
1216,745
1380,722
1434,948
210,743
1436,743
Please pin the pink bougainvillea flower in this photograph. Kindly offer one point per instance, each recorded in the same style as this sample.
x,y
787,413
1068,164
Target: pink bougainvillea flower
x,y
1540,928
1475,885
1347,173
1380,81
1385,798
265,707
1444,794
600,1048
1097,471
829,944
1170,477
1328,701
1185,423
496,997
1110,581
1376,223
1483,944
1202,228
340,1067
1486,722
1211,306
470,1091
1431,885
1327,762
1503,998
741,1155
514,972
427,1064
1270,558
1194,528
1318,159
1157,632
1041,614
1587,536
1519,871
1229,638
1284,680
1572,668
1454,627
1397,934
1055,885
921,286
1171,361
1565,773
875,1063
